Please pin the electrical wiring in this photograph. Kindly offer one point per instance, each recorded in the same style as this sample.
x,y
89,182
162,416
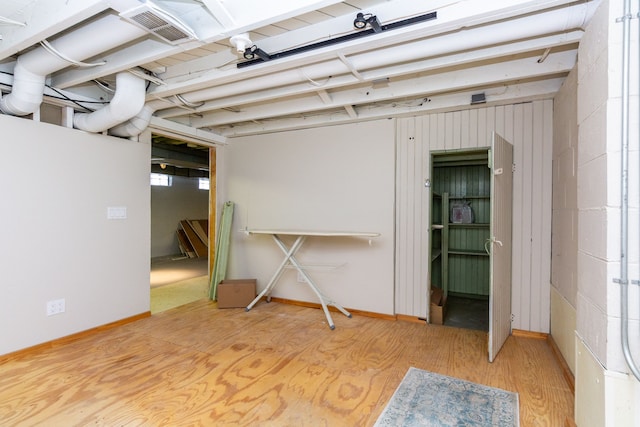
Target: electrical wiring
x,y
52,50
78,102
104,86
149,77
75,101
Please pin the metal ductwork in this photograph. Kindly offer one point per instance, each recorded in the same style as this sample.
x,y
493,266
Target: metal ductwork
x,y
160,23
125,104
33,67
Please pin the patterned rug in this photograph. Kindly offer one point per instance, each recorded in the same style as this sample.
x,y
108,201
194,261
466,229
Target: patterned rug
x,y
427,399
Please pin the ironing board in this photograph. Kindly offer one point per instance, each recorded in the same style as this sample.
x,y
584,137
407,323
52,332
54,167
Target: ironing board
x,y
290,260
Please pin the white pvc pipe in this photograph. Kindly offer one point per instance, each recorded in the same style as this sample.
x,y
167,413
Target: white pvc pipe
x,y
125,104
31,69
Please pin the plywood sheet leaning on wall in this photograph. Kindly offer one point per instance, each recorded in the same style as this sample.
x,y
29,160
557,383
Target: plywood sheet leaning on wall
x,y
199,246
183,243
201,226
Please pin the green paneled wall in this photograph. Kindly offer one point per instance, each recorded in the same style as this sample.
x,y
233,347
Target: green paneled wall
x,y
469,275
466,178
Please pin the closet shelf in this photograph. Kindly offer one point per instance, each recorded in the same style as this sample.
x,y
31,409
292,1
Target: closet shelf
x,y
467,252
458,259
468,197
471,225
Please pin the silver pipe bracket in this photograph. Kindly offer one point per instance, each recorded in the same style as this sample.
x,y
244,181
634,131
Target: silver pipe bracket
x,y
627,17
626,282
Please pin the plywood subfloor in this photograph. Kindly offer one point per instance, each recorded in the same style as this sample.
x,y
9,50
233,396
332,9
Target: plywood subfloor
x,y
169,270
277,365
176,294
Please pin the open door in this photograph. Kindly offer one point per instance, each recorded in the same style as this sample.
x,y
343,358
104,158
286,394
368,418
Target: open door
x,y
499,244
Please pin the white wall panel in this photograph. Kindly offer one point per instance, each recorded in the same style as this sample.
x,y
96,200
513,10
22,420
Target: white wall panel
x,y
528,127
58,241
411,200
334,178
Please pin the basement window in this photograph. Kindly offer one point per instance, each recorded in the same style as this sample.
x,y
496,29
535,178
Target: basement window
x,y
203,183
160,179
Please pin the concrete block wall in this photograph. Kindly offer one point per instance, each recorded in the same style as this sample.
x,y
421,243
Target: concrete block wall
x,y
606,393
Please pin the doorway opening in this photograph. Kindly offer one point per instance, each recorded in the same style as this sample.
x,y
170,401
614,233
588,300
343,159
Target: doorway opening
x,y
471,235
181,191
461,219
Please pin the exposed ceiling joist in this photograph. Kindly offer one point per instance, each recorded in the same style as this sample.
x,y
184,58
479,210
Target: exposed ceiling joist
x,y
43,20
428,84
186,133
512,93
220,12
198,93
335,82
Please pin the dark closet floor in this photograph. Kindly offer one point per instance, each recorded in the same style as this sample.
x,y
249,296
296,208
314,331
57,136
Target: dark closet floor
x,y
467,313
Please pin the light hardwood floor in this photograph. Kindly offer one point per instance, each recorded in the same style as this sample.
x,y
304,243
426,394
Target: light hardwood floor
x,y
277,365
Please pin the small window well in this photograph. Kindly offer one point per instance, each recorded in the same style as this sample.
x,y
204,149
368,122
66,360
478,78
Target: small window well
x,y
203,183
160,179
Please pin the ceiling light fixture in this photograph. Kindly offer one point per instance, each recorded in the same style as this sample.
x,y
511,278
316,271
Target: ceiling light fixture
x,y
254,51
241,42
362,19
362,32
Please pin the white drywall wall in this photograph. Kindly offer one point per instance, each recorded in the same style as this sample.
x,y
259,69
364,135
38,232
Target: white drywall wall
x,y
57,185
333,178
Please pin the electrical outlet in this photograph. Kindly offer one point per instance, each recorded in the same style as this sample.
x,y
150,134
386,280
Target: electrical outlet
x,y
301,278
55,307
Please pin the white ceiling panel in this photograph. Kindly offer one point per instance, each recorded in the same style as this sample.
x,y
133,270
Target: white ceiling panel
x,y
319,69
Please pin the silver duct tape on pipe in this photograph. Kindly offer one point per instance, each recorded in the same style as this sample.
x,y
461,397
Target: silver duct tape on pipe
x,y
126,103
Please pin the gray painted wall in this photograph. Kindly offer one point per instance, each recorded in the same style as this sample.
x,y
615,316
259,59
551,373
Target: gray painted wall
x,y
170,205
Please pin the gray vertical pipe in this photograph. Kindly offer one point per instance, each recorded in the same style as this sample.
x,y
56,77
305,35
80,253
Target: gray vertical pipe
x,y
624,226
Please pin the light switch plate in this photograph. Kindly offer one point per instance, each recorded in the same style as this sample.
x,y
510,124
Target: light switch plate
x,y
117,212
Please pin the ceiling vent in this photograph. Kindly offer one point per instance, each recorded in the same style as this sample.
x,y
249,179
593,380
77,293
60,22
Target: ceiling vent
x,y
160,23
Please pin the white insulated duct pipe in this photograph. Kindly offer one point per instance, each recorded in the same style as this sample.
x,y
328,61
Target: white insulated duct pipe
x,y
32,68
139,123
125,104
554,21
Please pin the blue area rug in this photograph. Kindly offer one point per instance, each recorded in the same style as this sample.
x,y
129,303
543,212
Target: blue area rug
x,y
427,399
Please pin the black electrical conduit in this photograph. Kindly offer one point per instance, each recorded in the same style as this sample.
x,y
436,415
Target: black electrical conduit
x,y
342,39
623,281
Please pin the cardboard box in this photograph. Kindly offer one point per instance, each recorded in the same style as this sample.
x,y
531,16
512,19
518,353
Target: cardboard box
x,y
437,306
236,293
